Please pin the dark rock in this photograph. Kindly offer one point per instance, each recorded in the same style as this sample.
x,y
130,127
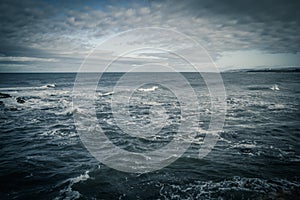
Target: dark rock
x,y
20,100
3,95
246,150
1,104
12,109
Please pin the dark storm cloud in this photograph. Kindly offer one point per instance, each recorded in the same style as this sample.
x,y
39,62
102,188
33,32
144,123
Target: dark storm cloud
x,y
271,25
19,24
244,11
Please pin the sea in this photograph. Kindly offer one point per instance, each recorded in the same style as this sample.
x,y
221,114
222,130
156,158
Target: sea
x,y
257,154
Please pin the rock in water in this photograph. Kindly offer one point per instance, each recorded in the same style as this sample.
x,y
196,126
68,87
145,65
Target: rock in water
x,y
3,95
20,100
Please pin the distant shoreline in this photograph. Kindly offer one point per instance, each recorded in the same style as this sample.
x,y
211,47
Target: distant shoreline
x,y
290,69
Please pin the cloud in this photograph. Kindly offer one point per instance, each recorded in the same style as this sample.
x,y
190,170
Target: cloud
x,y
68,30
27,59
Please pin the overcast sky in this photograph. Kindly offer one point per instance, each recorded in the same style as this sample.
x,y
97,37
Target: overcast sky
x,y
57,35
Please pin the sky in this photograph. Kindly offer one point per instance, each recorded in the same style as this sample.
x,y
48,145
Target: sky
x,y
56,36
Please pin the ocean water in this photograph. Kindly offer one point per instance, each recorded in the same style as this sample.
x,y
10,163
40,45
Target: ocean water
x,y
256,157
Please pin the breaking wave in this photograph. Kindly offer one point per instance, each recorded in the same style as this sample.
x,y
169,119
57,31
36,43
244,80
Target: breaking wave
x,y
68,192
148,89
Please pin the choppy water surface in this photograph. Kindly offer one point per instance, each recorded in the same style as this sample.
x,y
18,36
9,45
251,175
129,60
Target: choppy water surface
x,y
256,157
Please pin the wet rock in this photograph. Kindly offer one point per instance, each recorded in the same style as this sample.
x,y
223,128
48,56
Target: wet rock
x,y
1,104
246,150
12,109
3,95
20,100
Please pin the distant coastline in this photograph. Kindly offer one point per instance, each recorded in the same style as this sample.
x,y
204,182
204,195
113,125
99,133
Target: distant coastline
x,y
285,69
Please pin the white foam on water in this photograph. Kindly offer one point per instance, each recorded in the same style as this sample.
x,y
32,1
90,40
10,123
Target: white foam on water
x,y
247,146
59,134
216,190
275,88
57,104
82,177
150,103
109,121
38,98
153,88
68,193
53,85
277,106
105,94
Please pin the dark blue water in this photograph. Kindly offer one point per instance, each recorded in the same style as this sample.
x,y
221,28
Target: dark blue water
x,y
257,155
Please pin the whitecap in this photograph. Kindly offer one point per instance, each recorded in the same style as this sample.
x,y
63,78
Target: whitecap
x,y
68,193
244,145
53,85
82,177
275,88
105,94
148,89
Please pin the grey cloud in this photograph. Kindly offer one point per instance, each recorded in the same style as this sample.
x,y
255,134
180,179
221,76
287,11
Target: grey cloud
x,y
70,29
26,59
271,25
